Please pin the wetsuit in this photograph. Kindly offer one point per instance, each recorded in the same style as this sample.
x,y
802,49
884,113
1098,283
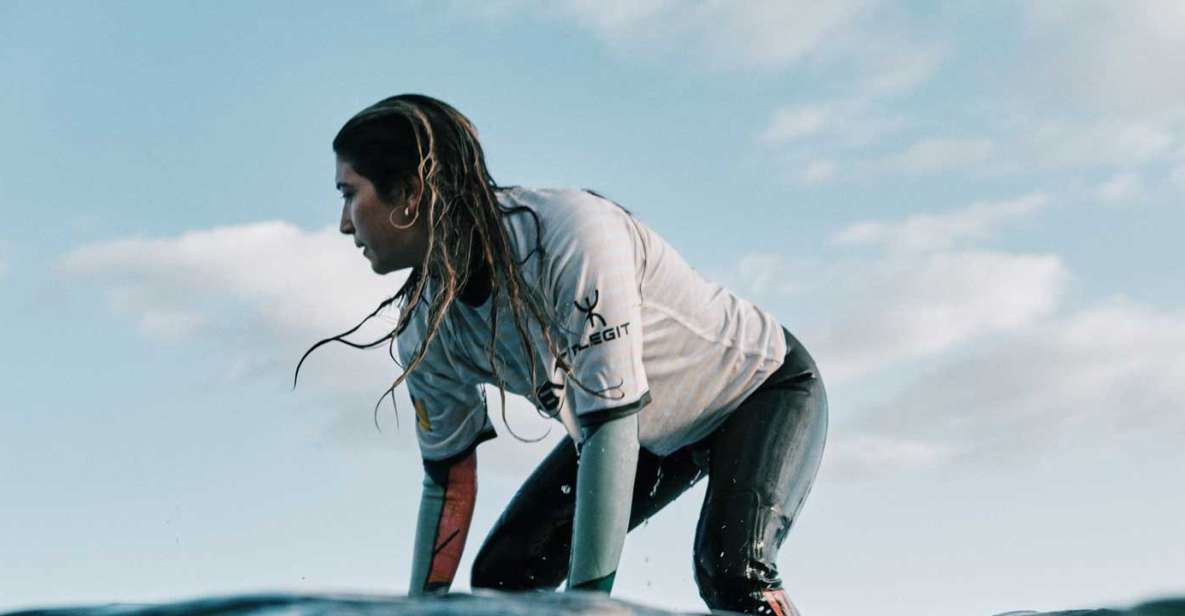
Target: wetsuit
x,y
682,380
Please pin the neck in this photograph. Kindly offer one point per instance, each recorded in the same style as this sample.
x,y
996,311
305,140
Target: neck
x,y
477,289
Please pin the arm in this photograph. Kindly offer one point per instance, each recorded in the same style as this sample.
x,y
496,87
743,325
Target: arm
x,y
446,511
604,489
595,285
451,421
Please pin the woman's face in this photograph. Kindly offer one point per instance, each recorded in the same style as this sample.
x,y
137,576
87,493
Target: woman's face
x,y
372,221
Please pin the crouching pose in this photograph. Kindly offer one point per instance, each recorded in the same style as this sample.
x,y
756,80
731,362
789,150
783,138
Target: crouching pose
x,y
659,376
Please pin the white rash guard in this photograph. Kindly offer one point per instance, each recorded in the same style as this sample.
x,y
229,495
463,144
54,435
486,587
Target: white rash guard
x,y
635,321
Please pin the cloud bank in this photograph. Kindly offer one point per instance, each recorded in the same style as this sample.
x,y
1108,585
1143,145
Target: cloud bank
x,y
942,230
860,38
980,358
259,293
290,282
1104,378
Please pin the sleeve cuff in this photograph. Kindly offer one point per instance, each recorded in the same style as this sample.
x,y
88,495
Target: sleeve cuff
x,y
437,468
600,416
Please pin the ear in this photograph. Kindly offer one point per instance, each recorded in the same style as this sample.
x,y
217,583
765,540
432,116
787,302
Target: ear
x,y
406,193
414,188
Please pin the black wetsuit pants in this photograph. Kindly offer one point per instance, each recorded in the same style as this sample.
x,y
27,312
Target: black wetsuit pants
x,y
760,464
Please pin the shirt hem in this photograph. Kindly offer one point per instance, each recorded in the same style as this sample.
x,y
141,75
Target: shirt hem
x,y
600,416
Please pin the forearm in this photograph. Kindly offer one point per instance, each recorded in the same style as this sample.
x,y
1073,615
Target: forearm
x,y
604,489
446,511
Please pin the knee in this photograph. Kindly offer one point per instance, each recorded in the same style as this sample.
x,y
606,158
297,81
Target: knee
x,y
503,564
748,595
757,592
484,573
736,562
493,569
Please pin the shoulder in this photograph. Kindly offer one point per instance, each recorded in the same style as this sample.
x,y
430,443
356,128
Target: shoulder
x,y
563,208
562,217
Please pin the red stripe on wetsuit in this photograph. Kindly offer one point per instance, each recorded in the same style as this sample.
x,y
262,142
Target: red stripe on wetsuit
x,y
778,603
456,515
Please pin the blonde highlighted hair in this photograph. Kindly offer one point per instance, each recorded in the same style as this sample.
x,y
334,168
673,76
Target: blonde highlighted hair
x,y
410,142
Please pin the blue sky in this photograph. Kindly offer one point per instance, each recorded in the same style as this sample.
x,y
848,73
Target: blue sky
x,y
969,212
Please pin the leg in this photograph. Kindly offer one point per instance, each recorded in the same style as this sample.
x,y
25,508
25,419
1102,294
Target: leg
x,y
530,544
763,461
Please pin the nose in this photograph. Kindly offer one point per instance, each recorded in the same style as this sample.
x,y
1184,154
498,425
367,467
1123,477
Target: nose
x,y
346,226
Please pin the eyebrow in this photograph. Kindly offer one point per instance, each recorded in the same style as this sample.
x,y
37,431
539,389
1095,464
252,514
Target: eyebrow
x,y
341,185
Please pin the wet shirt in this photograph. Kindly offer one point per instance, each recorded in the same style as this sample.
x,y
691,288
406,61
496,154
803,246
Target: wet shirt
x,y
643,331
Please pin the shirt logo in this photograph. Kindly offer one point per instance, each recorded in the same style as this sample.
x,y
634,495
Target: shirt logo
x,y
547,396
587,309
602,333
422,416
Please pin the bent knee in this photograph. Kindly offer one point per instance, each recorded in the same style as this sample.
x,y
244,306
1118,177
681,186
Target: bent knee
x,y
505,566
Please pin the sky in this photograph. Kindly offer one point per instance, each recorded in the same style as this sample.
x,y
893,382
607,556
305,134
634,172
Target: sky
x,y
969,213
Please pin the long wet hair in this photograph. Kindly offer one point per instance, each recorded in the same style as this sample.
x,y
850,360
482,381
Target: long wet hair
x,y
413,140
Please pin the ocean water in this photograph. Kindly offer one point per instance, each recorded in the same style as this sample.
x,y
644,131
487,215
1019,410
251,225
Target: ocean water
x,y
462,604
454,604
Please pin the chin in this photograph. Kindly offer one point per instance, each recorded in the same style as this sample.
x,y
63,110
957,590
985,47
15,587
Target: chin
x,y
383,268
378,268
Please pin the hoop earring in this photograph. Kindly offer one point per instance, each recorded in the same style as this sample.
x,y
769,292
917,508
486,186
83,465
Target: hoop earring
x,y
406,211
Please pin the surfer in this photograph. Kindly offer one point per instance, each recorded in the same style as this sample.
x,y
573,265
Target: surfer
x,y
659,376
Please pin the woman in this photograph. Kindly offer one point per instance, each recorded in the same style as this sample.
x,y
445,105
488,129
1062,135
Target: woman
x,y
659,376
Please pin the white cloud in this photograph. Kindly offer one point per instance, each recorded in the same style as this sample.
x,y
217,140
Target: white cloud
x,y
613,19
845,35
1022,143
1121,188
763,277
258,295
261,293
1057,143
293,281
818,172
775,33
837,124
1106,377
155,316
763,274
888,65
760,33
1006,376
938,155
1105,56
863,455
792,123
911,306
1178,174
943,230
1019,145
923,296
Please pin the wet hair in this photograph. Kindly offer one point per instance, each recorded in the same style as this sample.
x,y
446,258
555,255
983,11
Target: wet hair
x,y
414,141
